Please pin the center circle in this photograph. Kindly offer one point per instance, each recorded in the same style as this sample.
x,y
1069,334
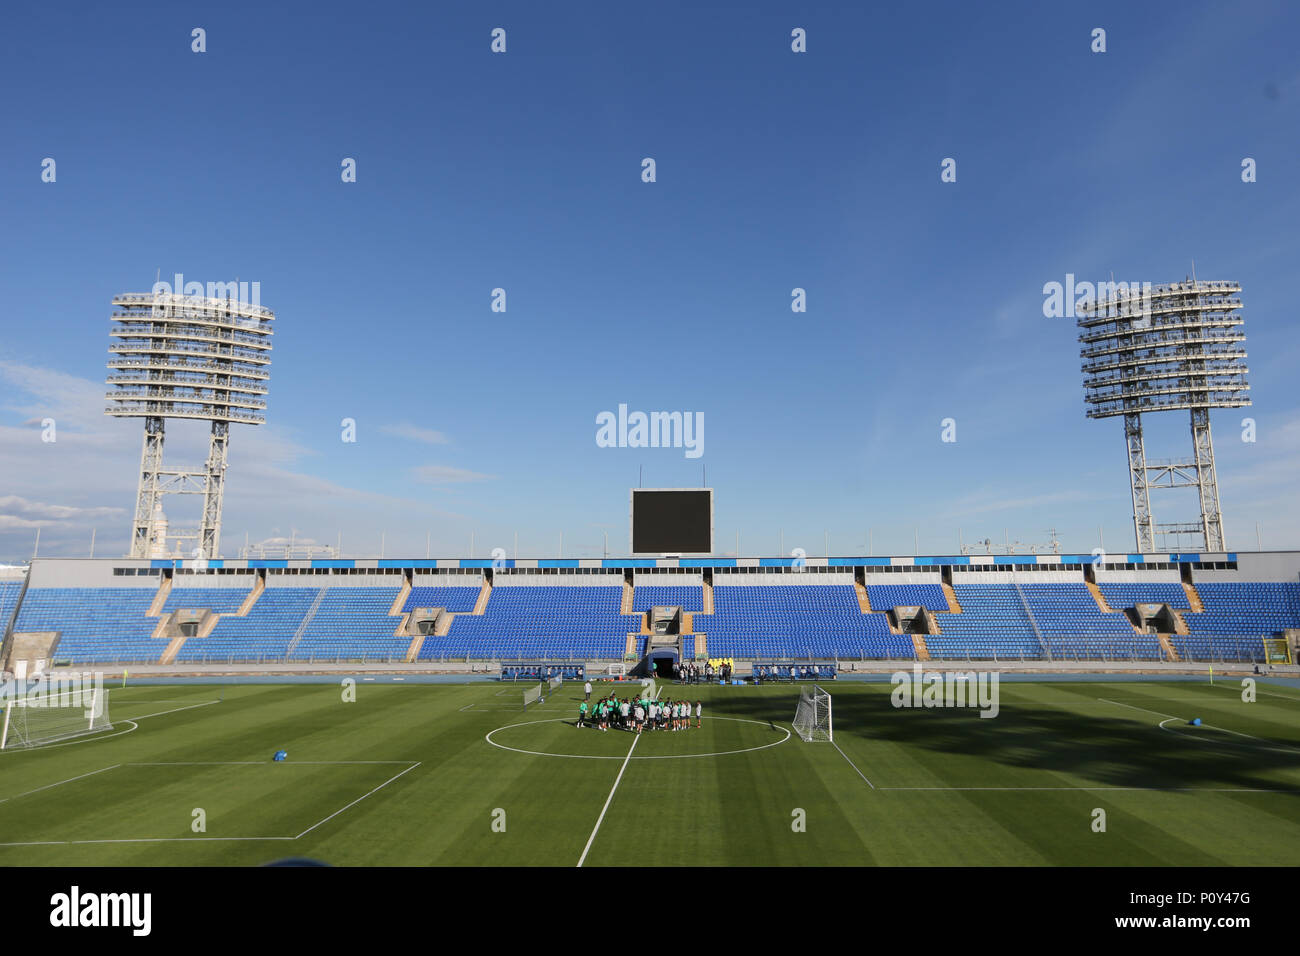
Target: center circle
x,y
558,720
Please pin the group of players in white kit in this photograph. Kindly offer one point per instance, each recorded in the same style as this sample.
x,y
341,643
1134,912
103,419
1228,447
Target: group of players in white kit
x,y
641,714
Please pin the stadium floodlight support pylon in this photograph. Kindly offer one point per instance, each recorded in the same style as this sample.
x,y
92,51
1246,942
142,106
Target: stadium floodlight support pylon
x,y
189,357
1153,349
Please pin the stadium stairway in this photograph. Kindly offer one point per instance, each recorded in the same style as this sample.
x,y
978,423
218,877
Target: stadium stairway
x,y
176,643
445,619
954,606
918,644
1104,606
399,602
864,601
173,647
159,599
688,620
207,624
628,598
306,621
633,643
1166,646
258,587
1193,599
485,592
1097,596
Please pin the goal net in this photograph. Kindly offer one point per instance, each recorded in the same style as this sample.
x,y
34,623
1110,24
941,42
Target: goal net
x,y
50,713
812,718
533,695
554,683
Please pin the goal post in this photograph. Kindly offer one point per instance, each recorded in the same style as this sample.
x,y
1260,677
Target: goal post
x,y
533,695
31,720
812,716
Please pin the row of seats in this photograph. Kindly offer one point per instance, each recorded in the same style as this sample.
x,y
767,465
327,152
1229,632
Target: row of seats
x,y
646,596
585,622
886,596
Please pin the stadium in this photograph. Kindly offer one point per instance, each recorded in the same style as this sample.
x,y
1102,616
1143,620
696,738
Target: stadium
x,y
197,674
1121,688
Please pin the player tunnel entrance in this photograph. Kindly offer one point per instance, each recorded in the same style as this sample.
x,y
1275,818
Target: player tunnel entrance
x,y
664,660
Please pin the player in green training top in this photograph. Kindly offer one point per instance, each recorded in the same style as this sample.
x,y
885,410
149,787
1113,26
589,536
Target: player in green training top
x,y
582,714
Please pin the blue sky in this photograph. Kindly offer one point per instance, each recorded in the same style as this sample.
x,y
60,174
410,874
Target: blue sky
x,y
522,171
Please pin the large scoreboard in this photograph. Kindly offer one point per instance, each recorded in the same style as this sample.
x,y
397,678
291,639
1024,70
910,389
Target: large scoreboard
x,y
672,521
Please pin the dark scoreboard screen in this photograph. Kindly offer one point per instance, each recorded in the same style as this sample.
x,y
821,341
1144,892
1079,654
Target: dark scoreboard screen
x,y
676,521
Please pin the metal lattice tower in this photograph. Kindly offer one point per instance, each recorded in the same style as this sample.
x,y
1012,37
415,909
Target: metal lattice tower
x,y
1156,349
177,356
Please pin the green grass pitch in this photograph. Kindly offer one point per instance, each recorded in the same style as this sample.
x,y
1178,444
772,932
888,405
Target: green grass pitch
x,y
405,775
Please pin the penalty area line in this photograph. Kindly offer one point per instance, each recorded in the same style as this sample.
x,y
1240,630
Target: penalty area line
x,y
174,710
49,786
608,800
357,800
853,765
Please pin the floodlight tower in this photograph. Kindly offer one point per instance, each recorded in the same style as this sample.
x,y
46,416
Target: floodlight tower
x,y
1157,349
178,356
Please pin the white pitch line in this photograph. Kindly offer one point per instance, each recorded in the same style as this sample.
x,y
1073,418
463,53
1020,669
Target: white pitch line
x,y
1134,707
146,840
1133,789
1169,717
356,801
254,763
60,783
126,720
1270,745
212,839
88,739
853,765
176,710
1264,693
565,720
601,818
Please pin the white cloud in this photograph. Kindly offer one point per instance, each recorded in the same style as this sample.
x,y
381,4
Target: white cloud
x,y
415,433
447,475
985,502
85,480
13,505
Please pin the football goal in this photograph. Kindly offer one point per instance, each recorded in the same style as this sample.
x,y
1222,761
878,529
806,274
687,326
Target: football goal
x,y
812,717
42,718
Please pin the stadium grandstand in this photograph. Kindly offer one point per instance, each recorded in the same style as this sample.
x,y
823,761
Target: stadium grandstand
x,y
1172,608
